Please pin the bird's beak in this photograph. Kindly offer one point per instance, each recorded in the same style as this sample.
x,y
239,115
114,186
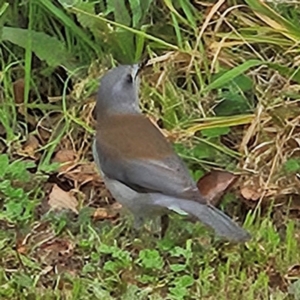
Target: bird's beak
x,y
136,68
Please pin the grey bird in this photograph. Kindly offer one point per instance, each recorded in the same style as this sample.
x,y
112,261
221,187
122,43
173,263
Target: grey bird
x,y
139,166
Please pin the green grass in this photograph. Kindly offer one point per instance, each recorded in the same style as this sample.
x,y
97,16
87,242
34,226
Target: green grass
x,y
224,85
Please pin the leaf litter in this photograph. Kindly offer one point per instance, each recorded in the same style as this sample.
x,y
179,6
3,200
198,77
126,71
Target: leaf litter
x,y
59,199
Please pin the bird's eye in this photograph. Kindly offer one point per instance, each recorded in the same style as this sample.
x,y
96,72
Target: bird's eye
x,y
129,78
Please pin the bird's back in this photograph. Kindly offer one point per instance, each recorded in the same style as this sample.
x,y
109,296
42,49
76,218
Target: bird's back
x,y
133,136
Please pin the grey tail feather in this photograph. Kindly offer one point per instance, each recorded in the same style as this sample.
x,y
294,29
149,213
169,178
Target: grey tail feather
x,y
210,216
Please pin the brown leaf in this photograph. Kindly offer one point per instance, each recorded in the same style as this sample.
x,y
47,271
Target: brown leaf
x,y
18,88
58,245
293,272
22,249
30,147
55,251
110,213
67,158
59,199
100,214
214,184
47,270
83,173
79,172
276,280
250,192
129,276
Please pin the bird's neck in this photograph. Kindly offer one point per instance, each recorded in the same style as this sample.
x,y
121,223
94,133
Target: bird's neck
x,y
106,113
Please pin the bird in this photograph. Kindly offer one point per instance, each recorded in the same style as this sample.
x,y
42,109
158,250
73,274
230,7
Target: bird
x,y
140,167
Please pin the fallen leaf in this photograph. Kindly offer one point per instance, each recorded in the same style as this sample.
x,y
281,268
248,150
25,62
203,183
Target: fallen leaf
x,y
46,270
18,89
129,276
55,251
79,172
39,232
100,214
293,272
276,280
59,246
30,147
250,192
67,158
22,249
214,184
110,213
83,173
60,199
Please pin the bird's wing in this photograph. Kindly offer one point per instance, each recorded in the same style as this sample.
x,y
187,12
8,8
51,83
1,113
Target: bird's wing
x,y
172,187
168,176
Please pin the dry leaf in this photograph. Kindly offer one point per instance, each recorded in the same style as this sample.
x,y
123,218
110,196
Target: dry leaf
x,y
18,88
59,199
214,184
22,249
66,157
83,173
100,214
276,280
56,251
46,270
30,147
128,276
293,272
250,192
110,213
59,246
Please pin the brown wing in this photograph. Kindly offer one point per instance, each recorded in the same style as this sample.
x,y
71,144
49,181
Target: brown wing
x,y
133,151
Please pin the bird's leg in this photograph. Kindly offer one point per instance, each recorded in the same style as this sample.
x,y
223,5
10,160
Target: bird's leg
x,y
137,225
154,226
138,222
164,224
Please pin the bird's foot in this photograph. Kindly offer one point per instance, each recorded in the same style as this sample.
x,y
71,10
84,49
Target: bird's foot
x,y
164,220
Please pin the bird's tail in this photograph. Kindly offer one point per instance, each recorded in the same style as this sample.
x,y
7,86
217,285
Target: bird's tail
x,y
209,215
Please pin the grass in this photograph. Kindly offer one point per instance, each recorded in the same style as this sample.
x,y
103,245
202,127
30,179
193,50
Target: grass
x,y
223,82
